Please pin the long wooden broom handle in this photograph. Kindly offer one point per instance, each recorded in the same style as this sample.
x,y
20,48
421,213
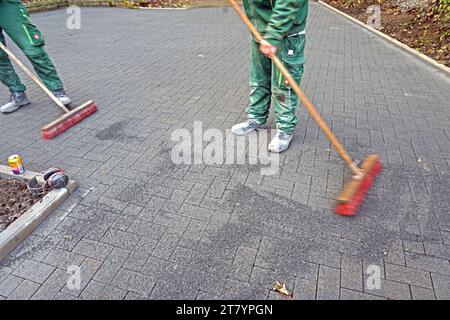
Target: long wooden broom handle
x,y
308,105
34,78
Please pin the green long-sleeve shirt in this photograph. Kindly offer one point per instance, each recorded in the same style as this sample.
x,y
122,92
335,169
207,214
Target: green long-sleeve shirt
x,y
277,18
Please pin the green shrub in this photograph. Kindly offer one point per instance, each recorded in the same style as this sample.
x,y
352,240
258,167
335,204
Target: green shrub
x,y
444,8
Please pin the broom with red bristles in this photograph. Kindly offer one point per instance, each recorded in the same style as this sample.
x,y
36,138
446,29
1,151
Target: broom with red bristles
x,y
69,119
355,190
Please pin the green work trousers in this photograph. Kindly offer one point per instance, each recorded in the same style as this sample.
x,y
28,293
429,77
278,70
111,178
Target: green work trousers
x,y
267,83
15,21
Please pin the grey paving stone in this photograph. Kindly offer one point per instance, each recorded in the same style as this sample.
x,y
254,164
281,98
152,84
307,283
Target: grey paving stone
x,y
212,283
351,273
243,263
182,255
9,284
180,184
220,205
305,289
132,210
24,291
395,253
165,247
137,259
328,283
373,265
4,272
134,281
438,250
207,296
408,275
135,296
347,294
325,257
419,293
176,200
87,270
197,194
237,180
83,212
64,297
121,239
199,178
34,271
112,265
390,290
278,183
278,296
34,247
52,221
300,193
95,194
72,225
218,172
195,212
50,288
171,220
93,249
123,223
241,290
165,290
194,231
99,291
155,267
441,286
147,229
413,246
64,240
63,259
427,263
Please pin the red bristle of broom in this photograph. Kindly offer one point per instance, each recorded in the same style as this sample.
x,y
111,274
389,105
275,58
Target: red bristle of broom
x,y
68,123
349,209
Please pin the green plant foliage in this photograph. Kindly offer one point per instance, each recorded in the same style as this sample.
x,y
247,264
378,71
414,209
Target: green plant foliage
x,y
444,8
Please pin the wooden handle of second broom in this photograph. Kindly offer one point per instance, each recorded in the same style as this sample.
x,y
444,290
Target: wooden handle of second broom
x,y
34,78
308,105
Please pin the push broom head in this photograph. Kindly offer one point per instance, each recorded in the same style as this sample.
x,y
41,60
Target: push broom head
x,y
68,120
355,190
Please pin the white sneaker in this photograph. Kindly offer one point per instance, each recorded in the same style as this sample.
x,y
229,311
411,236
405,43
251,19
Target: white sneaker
x,y
61,95
17,100
280,142
246,127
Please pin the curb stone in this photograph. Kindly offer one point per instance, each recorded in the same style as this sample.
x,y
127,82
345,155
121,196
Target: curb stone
x,y
20,229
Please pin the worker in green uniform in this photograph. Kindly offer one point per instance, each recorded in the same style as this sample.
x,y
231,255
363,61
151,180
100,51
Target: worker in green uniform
x,y
282,24
15,22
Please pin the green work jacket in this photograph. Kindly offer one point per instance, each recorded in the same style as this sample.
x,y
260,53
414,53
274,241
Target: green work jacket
x,y
276,19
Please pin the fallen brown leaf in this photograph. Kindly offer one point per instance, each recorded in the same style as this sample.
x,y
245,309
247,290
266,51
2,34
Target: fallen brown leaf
x,y
281,288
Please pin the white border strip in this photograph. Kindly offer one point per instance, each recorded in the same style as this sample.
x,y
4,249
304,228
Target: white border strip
x,y
430,61
20,229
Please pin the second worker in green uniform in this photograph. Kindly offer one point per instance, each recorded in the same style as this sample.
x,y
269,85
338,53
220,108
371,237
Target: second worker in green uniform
x,y
15,22
282,24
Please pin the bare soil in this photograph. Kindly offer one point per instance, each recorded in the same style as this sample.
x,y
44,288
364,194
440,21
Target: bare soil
x,y
419,24
15,200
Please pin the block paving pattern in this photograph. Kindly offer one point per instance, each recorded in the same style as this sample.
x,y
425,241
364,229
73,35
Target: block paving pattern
x,y
141,227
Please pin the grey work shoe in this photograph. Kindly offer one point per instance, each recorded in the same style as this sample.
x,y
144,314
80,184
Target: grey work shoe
x,y
246,127
280,142
17,100
61,95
